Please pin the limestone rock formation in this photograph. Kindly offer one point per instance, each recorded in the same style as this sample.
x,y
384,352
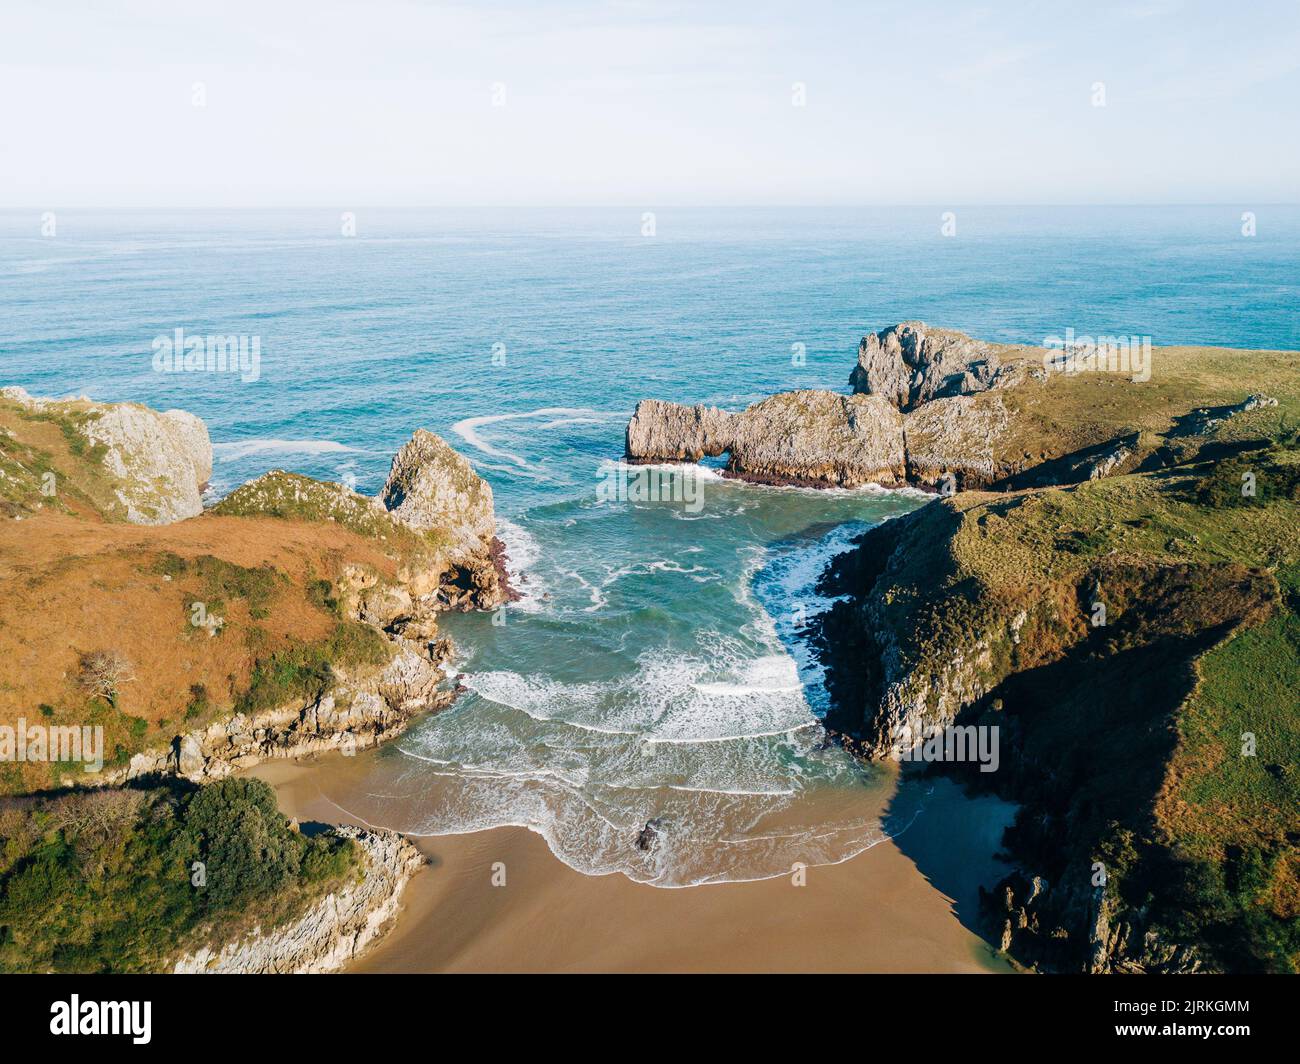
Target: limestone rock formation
x,y
431,486
805,437
359,712
670,432
333,931
919,411
958,436
158,463
912,363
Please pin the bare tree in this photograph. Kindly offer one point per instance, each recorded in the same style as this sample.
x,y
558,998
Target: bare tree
x,y
101,673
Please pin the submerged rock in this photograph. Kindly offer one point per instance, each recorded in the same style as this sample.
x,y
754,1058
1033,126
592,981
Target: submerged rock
x,y
648,836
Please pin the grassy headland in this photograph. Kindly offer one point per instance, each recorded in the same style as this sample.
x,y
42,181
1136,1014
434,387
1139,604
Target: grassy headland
x,y
1153,742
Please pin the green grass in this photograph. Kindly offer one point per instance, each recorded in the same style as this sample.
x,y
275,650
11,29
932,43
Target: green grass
x,y
306,671
220,581
104,880
1250,685
291,496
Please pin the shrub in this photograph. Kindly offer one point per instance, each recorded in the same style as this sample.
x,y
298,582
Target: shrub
x,y
101,880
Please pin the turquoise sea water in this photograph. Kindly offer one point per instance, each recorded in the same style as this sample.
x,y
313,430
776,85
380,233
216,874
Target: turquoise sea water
x,y
654,668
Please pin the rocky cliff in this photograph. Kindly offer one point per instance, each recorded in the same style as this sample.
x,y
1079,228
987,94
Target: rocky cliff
x,y
360,710
136,464
913,417
810,437
912,363
938,409
1123,632
335,930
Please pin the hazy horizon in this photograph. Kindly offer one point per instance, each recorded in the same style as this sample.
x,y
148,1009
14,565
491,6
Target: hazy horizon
x,y
405,104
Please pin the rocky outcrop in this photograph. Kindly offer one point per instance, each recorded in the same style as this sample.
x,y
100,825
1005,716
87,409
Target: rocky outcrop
x,y
912,363
812,438
158,463
1076,926
335,930
434,518
1203,420
917,415
357,713
938,409
958,436
670,432
440,526
433,489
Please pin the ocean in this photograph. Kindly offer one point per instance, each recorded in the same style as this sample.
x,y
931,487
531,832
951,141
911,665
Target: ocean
x,y
655,669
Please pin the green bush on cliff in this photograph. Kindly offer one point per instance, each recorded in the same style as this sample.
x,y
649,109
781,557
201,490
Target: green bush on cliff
x,y
125,880
220,581
1251,480
306,671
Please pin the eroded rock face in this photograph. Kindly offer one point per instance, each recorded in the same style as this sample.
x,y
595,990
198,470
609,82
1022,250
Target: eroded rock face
x,y
918,413
333,931
670,432
431,486
821,437
359,712
957,436
911,363
159,462
805,437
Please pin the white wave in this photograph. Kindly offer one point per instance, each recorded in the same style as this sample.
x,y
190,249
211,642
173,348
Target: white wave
x,y
690,469
704,472
774,674
468,428
237,449
522,555
698,573
599,600
785,582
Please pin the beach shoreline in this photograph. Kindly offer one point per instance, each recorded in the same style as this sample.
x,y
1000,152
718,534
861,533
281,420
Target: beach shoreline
x,y
500,901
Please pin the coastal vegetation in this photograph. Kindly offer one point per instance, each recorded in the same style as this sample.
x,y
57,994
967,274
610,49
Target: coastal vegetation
x,y
1155,738
127,880
295,617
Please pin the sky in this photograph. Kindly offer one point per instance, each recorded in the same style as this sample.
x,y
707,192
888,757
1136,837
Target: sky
x,y
351,103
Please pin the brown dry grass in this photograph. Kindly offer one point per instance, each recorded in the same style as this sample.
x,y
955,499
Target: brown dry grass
x,y
70,587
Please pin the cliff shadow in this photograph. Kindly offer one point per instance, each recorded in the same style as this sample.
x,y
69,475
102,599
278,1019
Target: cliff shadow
x,y
954,838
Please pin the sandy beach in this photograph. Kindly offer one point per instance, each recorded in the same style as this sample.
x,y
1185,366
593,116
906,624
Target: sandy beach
x,y
877,912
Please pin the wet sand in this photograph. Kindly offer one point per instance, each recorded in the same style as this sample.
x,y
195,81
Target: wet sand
x,y
877,912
